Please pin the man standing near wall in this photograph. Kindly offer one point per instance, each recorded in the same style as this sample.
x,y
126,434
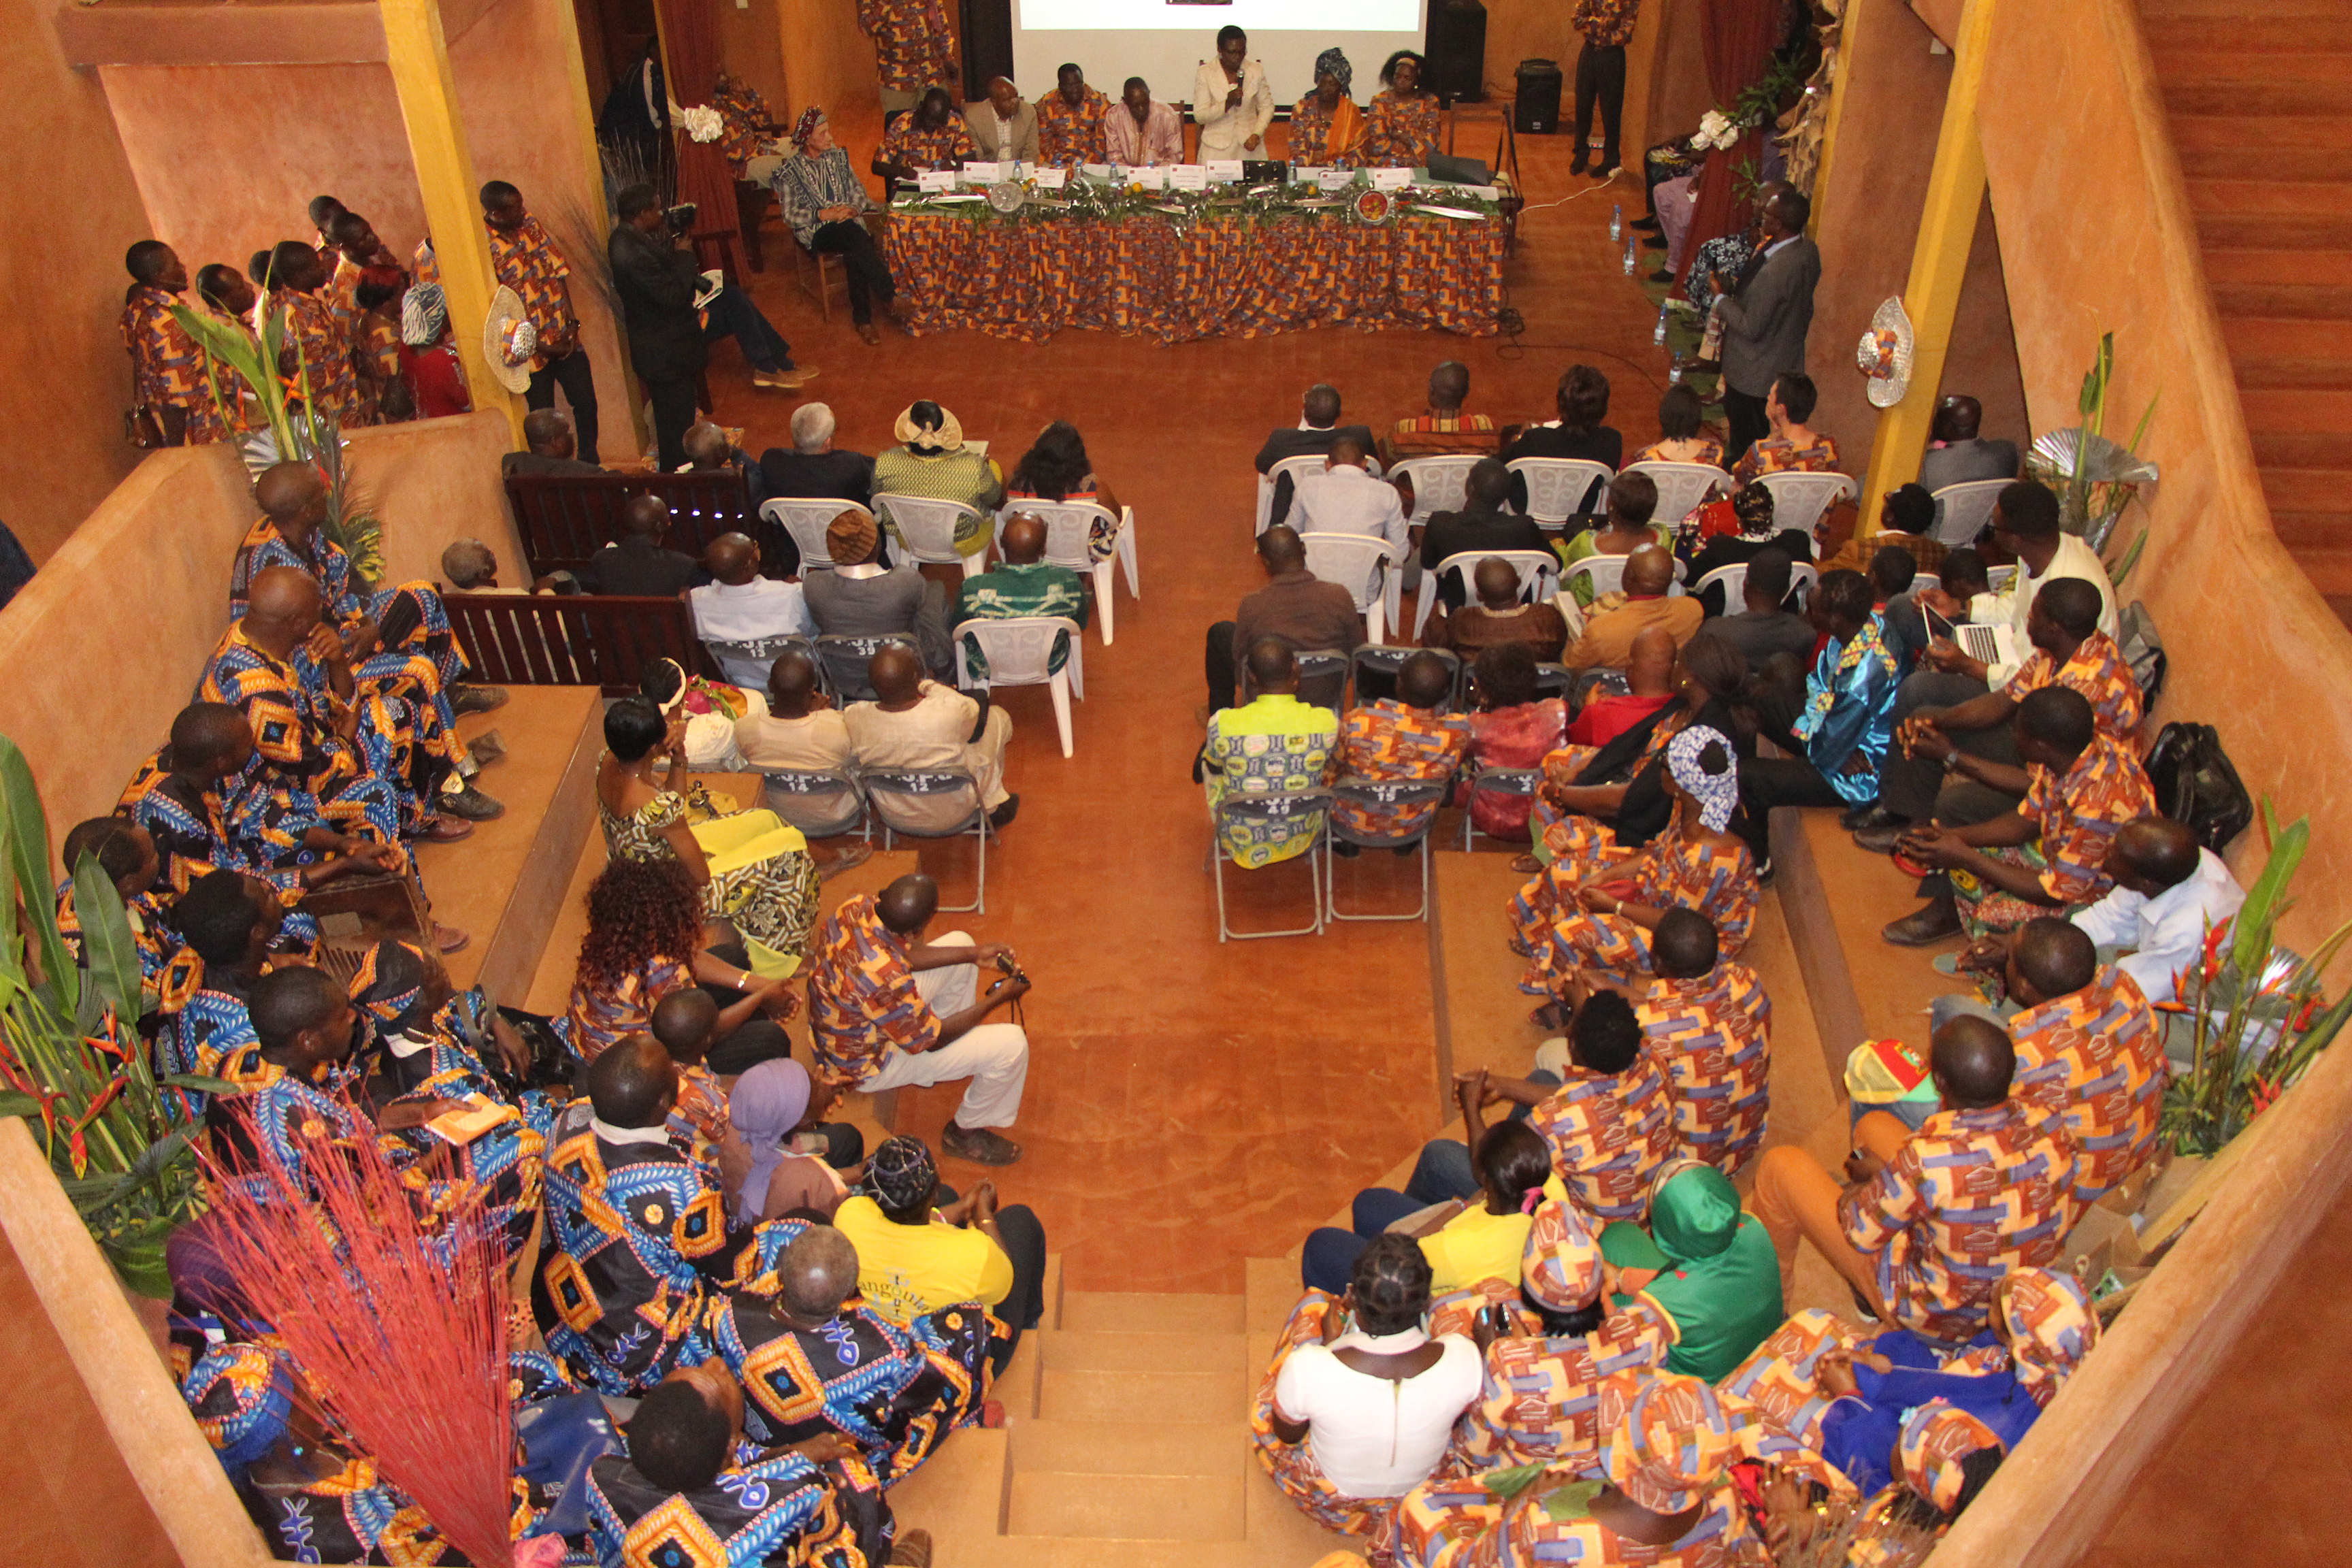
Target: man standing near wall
x,y
1607,27
1766,312
912,49
528,262
167,369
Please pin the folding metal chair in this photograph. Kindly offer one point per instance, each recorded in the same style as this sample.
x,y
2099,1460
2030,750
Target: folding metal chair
x,y
747,662
1288,809
889,792
843,657
1510,783
822,802
1019,650
1388,661
1377,795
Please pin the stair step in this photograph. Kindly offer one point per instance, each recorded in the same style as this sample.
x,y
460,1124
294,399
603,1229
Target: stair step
x,y
2330,570
2235,11
2306,531
2255,87
1280,1533
2298,411
2302,450
2333,268
1135,1312
2184,40
958,1494
1099,1395
2306,490
1273,1288
2277,232
2288,372
2256,338
2286,301
1079,1552
1132,1447
1069,1350
1015,1387
2256,197
1100,1507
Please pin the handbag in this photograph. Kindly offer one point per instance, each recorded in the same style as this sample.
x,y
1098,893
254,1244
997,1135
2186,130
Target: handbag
x,y
2143,650
2196,784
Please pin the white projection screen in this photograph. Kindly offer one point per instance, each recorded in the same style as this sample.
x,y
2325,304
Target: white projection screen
x,y
1165,44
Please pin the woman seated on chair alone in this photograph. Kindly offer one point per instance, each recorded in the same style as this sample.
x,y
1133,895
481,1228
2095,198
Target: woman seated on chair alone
x,y
1056,467
1631,499
930,460
824,204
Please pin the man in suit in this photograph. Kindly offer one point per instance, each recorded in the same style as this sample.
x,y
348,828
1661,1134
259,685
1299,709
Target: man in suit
x,y
1955,456
1766,312
1320,426
1002,126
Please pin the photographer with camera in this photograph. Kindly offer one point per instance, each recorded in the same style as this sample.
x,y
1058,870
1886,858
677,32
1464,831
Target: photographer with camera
x,y
670,331
887,1010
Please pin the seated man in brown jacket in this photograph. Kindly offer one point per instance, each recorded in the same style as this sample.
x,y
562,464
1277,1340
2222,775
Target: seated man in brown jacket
x,y
1617,619
1499,617
1310,615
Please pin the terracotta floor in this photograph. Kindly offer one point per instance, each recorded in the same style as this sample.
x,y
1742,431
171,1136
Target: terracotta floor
x,y
1192,1104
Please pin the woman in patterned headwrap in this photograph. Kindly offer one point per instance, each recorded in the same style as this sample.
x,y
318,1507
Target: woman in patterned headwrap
x,y
824,204
1326,129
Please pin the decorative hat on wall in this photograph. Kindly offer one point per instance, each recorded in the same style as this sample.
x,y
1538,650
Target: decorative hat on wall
x,y
1886,353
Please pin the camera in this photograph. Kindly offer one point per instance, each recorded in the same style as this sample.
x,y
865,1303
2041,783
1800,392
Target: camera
x,y
1008,968
680,217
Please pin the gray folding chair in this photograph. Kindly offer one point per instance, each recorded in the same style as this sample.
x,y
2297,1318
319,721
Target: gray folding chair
x,y
843,657
1510,783
1311,808
1383,659
1382,796
890,793
748,661
822,802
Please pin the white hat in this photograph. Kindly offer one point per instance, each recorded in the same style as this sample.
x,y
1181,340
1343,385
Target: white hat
x,y
508,340
1885,354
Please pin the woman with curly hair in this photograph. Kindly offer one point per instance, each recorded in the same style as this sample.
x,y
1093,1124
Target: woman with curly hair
x,y
644,942
1056,467
1400,127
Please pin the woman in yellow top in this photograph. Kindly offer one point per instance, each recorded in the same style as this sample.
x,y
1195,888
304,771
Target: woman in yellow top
x,y
1326,129
1463,1246
1401,128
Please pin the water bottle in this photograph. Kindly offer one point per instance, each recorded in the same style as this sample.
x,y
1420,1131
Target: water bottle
x,y
1617,221
1675,376
1629,259
1659,335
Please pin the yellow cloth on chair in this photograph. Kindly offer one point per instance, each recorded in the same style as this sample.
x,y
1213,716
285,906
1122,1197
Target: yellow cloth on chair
x,y
745,838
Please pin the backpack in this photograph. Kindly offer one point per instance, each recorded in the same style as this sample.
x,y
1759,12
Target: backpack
x,y
2196,784
2143,649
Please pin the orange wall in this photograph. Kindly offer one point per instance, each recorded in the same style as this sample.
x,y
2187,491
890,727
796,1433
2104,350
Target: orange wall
x,y
827,61
73,209
1980,359
751,43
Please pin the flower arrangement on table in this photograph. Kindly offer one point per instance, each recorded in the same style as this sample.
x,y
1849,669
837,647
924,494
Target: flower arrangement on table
x,y
1085,198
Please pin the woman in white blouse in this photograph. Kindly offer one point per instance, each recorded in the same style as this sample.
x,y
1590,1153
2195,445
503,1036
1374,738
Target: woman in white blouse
x,y
1362,1399
1231,101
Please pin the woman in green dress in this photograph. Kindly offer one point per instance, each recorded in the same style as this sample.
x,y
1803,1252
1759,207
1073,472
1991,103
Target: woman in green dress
x,y
1711,1267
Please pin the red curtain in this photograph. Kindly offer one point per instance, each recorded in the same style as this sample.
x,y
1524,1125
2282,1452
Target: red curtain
x,y
689,30
1739,36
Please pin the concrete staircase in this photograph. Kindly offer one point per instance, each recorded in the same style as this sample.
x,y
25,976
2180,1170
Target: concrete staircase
x,y
2260,98
1125,1439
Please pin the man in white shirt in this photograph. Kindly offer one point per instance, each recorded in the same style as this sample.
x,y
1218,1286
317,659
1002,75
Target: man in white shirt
x,y
1230,100
1002,126
916,724
2169,892
1142,131
740,605
1346,499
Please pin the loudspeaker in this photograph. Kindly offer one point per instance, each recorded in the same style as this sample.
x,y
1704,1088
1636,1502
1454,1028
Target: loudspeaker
x,y
987,44
1536,111
1457,51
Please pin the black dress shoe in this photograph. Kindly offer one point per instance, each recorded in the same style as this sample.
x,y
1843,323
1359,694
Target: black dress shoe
x,y
1662,274
1876,816
1882,840
1851,817
1581,162
1931,924
1649,224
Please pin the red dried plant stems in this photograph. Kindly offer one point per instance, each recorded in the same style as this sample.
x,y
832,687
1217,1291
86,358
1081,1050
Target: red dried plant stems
x,y
403,1331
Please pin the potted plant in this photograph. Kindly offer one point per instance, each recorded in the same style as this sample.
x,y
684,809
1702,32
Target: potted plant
x,y
2095,478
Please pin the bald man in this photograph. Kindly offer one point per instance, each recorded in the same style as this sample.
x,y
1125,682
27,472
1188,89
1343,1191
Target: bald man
x,y
2169,892
1305,611
1650,685
548,447
739,605
1022,584
1405,739
638,562
1004,126
1277,742
1499,617
801,729
1442,429
916,724
1928,1222
708,451
1649,601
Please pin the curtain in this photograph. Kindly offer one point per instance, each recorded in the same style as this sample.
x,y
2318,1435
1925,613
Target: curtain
x,y
1738,36
689,30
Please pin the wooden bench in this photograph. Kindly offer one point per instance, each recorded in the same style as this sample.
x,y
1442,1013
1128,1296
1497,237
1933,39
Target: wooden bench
x,y
563,518
574,639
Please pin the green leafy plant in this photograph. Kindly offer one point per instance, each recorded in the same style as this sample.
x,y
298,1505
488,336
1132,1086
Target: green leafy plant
x,y
2256,1013
2095,478
72,1062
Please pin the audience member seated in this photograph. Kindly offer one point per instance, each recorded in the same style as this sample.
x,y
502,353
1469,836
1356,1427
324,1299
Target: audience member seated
x,y
708,451
1752,509
1609,631
931,460
1278,743
686,1024
548,447
1056,467
1907,518
1589,916
1929,1221
1708,1025
1958,766
1442,429
779,1155
915,1258
638,562
1296,607
814,1361
801,728
827,207
228,923
1398,739
917,724
1791,448
2169,892
1021,585
1836,723
1511,727
1764,629
1582,403
1633,500
1706,1264
1481,525
1465,1245
888,1009
932,137
1359,1402
861,597
2025,525
708,710
816,469
754,871
1955,455
738,605
644,942
1682,432
128,860
682,1480
470,566
1891,572
1318,425
1649,680
1346,499
1500,619
2048,856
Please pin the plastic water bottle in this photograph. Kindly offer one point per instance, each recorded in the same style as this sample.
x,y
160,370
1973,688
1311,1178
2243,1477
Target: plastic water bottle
x,y
1617,221
1658,335
1675,376
1629,259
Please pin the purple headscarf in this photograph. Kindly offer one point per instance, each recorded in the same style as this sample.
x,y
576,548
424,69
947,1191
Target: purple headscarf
x,y
768,1103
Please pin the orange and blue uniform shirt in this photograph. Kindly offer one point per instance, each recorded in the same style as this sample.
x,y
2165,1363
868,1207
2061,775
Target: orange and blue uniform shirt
x,y
1606,24
1608,1136
2080,814
912,46
863,1004
1712,1038
1540,1402
1067,135
940,146
1389,741
2096,670
2094,1060
527,262
171,367
326,353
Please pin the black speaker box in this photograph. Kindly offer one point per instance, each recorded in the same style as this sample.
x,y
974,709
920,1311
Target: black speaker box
x,y
1457,51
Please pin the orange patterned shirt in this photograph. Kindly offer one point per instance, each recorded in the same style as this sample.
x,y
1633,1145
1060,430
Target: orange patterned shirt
x,y
1400,132
1609,1136
1540,1402
912,46
168,365
528,262
744,118
2094,1060
1067,135
1388,742
2082,812
312,322
1778,455
863,1004
940,147
2096,670
1606,24
1712,1036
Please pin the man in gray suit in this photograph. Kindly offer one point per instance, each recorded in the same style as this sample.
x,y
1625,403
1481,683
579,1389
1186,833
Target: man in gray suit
x,y
1766,312
1955,456
1003,125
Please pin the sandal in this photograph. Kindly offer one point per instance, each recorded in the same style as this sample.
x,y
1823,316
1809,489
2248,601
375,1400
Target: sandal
x,y
1549,1015
868,333
1525,865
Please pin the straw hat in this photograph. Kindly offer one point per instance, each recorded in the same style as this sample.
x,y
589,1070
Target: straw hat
x,y
1885,354
508,340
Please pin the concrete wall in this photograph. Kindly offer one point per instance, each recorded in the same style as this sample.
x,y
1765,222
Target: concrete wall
x,y
73,209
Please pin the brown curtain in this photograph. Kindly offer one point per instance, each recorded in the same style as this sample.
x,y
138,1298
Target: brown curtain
x,y
1739,36
689,30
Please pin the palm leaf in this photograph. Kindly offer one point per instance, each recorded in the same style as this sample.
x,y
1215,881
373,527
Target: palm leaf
x,y
25,861
200,1084
2250,937
154,1161
108,950
139,1258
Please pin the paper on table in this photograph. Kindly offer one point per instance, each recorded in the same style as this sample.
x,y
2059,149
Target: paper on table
x,y
982,173
1096,170
1307,173
1392,179
1188,177
1333,181
1148,179
1052,179
1487,192
936,180
1026,168
1224,170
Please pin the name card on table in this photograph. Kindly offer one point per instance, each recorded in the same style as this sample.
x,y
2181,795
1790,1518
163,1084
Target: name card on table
x,y
935,180
1096,170
1390,179
1307,173
1331,182
983,173
1148,179
1188,177
1052,179
1225,170
1026,168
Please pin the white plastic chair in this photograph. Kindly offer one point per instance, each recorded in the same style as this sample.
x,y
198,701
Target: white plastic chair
x,y
1999,578
1607,575
1963,510
1069,525
1439,484
1925,580
1297,468
1800,499
1802,579
1366,567
1538,578
1019,650
1557,486
927,529
1681,487
806,521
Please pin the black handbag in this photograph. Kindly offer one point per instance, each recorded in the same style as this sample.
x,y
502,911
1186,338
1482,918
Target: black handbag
x,y
2196,784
